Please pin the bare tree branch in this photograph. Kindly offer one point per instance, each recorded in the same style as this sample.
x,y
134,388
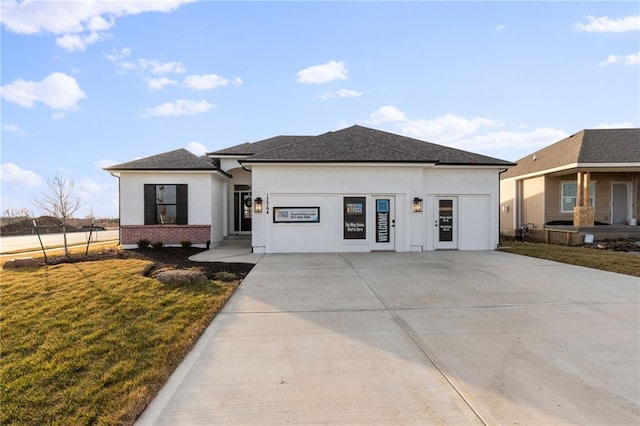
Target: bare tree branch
x,y
61,202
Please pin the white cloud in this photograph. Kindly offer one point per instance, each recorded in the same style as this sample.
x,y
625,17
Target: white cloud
x,y
501,27
446,128
15,175
9,127
143,65
58,116
197,148
119,55
630,59
204,82
177,108
99,197
341,94
604,24
73,42
161,68
102,163
318,74
57,90
622,125
387,114
78,22
536,138
160,83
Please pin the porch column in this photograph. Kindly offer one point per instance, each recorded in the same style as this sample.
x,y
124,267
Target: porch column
x,y
579,192
583,213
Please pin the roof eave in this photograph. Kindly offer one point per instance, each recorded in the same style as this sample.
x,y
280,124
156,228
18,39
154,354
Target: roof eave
x,y
147,169
290,161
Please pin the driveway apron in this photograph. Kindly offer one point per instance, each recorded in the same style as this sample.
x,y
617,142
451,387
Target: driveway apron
x,y
414,338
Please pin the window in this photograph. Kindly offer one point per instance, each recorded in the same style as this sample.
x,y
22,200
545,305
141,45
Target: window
x,y
569,195
165,204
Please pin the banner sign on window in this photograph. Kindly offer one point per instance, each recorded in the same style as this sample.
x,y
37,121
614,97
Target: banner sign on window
x,y
296,214
355,219
382,221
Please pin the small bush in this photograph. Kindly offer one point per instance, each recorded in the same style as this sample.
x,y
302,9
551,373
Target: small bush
x,y
143,243
185,244
226,276
157,245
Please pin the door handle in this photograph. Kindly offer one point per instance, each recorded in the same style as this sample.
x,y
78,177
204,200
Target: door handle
x,y
393,223
436,224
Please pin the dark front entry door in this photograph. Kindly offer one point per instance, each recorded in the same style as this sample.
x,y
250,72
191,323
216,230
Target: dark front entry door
x,y
242,211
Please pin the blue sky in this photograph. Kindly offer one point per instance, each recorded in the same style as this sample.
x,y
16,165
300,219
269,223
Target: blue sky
x,y
85,85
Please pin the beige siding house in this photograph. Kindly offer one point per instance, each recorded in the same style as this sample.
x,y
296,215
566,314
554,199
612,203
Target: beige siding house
x,y
588,183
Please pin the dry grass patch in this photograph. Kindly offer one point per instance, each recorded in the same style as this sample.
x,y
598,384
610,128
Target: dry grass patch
x,y
93,342
606,260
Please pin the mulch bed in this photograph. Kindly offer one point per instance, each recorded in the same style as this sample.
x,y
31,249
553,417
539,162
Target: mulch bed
x,y
621,244
163,259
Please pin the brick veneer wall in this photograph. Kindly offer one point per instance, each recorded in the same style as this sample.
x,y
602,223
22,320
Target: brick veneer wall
x,y
168,234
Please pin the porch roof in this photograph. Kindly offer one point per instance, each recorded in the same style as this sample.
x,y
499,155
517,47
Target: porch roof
x,y
602,149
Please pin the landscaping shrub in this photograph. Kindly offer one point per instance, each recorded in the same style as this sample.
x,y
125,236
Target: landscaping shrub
x,y
143,243
225,276
185,244
157,245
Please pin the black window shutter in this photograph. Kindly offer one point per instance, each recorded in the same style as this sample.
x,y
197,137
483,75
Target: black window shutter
x,y
181,204
149,204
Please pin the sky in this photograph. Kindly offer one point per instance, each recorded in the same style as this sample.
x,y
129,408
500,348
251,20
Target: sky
x,y
88,84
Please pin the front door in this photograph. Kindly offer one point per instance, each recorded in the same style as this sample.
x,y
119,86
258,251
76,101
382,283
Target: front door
x,y
385,223
446,223
242,211
619,202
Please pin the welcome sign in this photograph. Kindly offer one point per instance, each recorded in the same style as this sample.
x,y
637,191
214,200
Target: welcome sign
x,y
382,221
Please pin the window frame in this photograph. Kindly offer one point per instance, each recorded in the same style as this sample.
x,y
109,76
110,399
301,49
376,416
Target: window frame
x,y
592,194
151,205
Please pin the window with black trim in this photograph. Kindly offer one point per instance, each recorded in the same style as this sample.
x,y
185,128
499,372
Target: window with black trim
x,y
165,204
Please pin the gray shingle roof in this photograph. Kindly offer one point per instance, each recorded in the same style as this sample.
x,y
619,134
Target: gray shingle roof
x,y
589,146
250,148
362,144
179,159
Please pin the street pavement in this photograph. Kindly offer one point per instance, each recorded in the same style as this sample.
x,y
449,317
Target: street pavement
x,y
414,338
15,243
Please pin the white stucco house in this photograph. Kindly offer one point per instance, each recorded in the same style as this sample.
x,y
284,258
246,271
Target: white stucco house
x,y
352,190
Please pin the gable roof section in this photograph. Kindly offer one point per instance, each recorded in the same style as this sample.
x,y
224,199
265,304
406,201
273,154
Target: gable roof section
x,y
362,144
250,148
179,159
589,146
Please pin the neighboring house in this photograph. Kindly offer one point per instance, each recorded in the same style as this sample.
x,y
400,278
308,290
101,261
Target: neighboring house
x,y
588,183
356,189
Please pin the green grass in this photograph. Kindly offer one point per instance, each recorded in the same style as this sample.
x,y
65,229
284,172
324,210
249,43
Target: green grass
x,y
93,342
606,260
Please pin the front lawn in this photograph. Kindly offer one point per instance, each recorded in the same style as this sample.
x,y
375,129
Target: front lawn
x,y
606,260
93,342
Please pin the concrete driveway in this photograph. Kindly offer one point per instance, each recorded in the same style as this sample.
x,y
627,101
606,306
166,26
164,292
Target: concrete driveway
x,y
414,338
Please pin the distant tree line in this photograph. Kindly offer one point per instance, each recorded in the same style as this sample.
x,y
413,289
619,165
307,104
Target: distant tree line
x,y
20,222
